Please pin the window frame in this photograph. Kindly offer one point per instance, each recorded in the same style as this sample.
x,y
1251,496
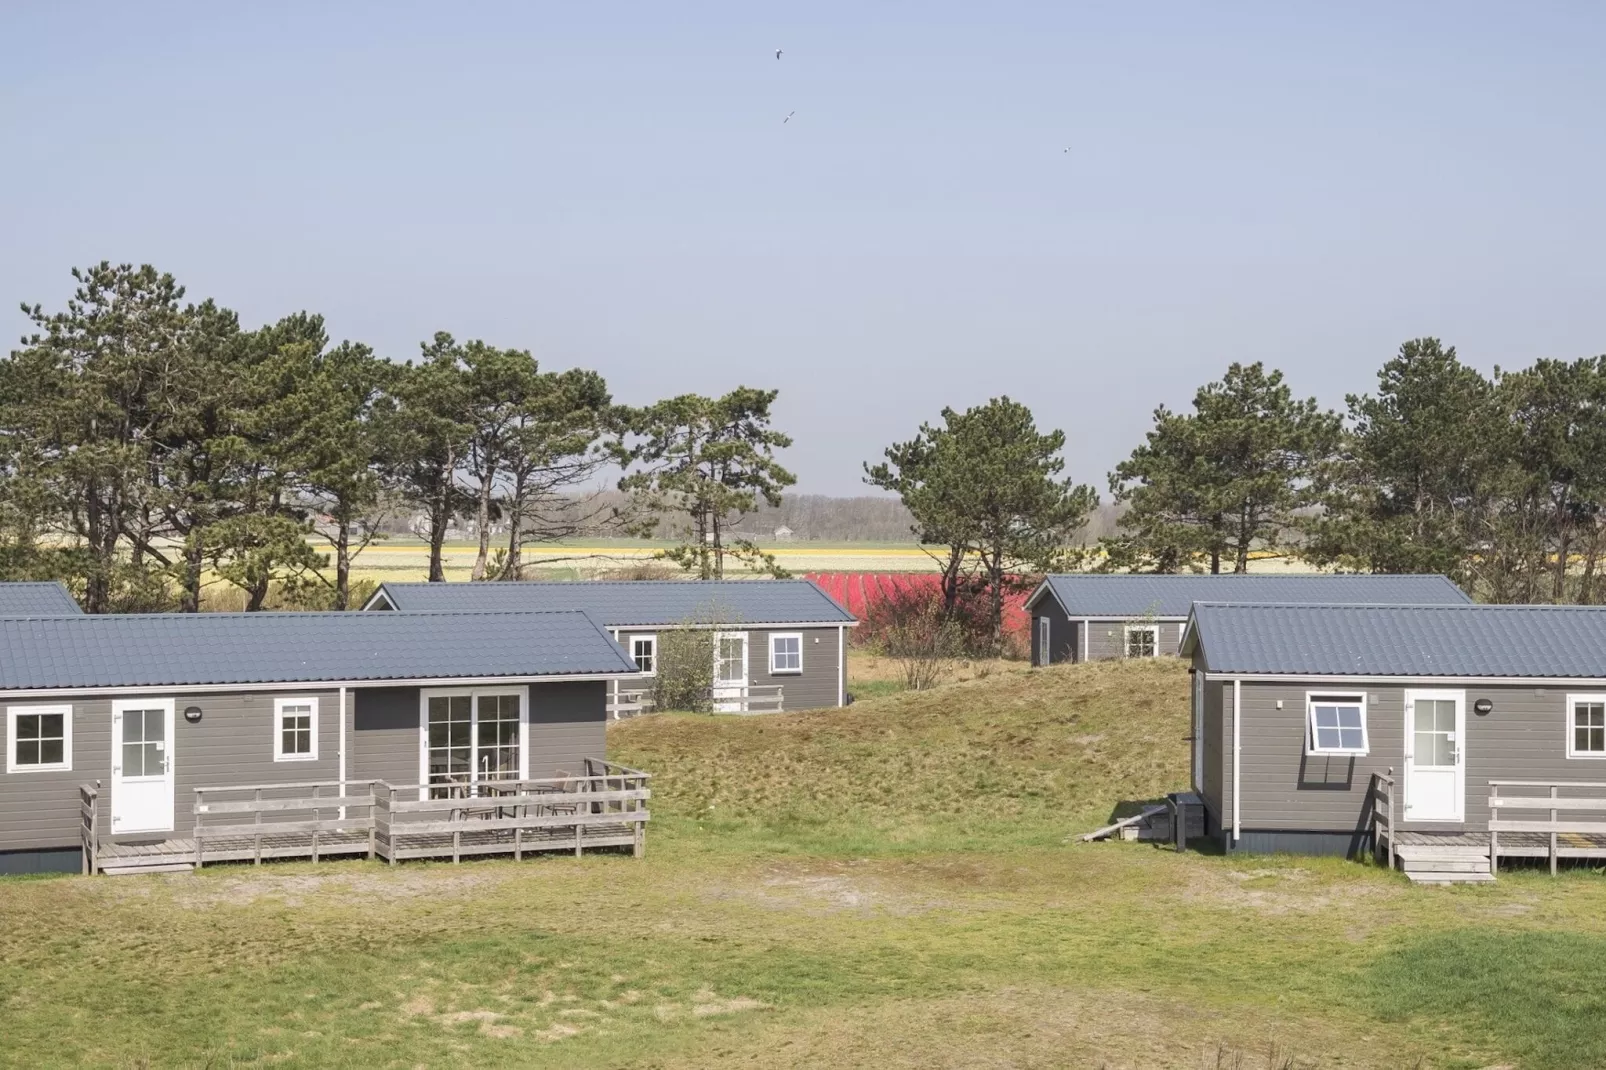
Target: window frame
x,y
474,695
1359,698
652,641
63,766
280,704
774,636
1126,639
1573,701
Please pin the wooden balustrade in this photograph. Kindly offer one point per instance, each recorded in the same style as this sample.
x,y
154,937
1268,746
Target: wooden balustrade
x,y
89,820
1561,812
289,832
1383,815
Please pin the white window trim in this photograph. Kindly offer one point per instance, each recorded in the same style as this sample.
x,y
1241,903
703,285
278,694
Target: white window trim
x,y
1126,639
653,640
65,765
786,672
474,693
1361,699
1572,700
279,705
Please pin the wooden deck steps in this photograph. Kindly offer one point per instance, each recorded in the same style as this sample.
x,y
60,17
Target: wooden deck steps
x,y
1445,863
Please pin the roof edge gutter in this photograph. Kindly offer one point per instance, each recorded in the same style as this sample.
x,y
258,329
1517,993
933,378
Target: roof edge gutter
x,y
318,685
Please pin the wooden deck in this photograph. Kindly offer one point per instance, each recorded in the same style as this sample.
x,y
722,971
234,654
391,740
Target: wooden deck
x,y
1513,844
604,808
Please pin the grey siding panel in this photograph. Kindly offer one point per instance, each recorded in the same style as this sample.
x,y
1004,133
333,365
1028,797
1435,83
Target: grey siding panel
x,y
1107,638
820,682
1523,738
1064,642
384,737
568,723
1215,752
817,685
54,860
39,811
231,744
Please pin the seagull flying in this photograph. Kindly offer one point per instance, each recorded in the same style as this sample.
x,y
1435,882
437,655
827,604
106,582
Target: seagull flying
x,y
777,53
788,117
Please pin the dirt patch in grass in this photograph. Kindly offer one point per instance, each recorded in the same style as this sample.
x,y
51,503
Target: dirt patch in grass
x,y
827,888
1050,1028
293,889
1278,890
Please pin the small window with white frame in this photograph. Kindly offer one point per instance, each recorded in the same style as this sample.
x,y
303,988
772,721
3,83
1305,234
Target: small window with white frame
x,y
1586,726
786,652
295,729
1336,724
38,738
1142,640
644,652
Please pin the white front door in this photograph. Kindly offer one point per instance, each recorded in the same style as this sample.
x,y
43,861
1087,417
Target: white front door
x,y
142,765
730,672
1435,755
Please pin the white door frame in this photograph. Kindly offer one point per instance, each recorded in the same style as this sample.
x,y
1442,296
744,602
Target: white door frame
x,y
1045,650
728,702
126,790
1460,700
474,694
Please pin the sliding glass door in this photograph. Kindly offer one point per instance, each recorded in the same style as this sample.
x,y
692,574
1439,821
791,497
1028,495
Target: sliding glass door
x,y
471,737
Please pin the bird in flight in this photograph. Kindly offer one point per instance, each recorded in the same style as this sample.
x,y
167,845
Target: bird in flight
x,y
777,53
788,117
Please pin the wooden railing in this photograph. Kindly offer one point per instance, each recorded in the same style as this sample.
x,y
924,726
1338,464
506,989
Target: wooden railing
x,y
750,698
89,820
606,806
1561,812
243,819
630,703
1383,815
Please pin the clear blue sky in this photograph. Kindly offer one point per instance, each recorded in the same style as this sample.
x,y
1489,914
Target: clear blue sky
x,y
611,185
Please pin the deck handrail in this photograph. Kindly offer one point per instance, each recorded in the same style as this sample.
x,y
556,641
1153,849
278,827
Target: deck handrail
x,y
1380,782
89,819
1559,808
748,694
256,807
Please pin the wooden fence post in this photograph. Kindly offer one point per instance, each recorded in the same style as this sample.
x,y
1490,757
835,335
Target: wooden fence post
x,y
1553,791
200,806
1494,834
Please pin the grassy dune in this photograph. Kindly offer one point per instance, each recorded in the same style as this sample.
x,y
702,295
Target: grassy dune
x,y
895,885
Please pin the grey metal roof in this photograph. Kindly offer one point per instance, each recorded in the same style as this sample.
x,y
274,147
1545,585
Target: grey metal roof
x,y
50,599
185,649
1136,595
1551,642
642,603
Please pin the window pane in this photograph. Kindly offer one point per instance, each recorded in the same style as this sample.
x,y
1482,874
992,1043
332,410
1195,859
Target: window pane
x,y
133,725
1581,741
153,759
27,726
1350,738
51,752
133,759
154,720
27,752
457,733
1597,740
1327,738
53,726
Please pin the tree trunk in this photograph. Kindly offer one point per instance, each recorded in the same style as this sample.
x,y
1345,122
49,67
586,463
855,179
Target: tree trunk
x,y
1558,585
343,562
484,521
714,560
514,565
995,605
437,537
190,588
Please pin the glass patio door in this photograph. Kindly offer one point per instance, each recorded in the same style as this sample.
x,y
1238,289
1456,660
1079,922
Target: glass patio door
x,y
471,738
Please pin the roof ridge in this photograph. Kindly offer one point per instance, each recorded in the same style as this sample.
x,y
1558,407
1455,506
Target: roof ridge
x,y
1461,606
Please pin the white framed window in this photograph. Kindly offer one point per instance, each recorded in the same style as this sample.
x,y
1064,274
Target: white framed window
x,y
1142,640
1586,726
644,652
1335,724
786,652
38,738
295,729
471,736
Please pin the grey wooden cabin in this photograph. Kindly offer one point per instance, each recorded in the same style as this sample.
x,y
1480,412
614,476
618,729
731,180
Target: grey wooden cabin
x,y
781,644
1089,617
1319,729
112,723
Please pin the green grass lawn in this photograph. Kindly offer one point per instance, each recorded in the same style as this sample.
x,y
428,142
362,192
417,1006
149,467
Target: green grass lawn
x,y
896,884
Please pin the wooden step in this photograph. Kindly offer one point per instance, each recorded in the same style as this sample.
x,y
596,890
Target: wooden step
x,y
1446,865
124,869
1450,878
1440,851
